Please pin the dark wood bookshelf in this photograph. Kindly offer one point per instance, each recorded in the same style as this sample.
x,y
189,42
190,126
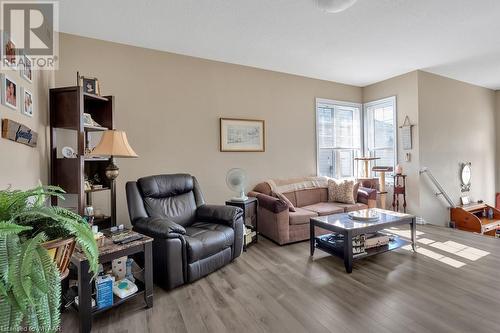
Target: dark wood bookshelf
x,y
67,106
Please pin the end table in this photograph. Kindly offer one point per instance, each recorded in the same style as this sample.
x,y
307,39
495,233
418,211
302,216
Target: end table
x,y
108,252
250,220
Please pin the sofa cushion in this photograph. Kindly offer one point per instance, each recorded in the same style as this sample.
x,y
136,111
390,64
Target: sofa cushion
x,y
351,207
308,197
285,199
301,216
325,208
341,191
204,239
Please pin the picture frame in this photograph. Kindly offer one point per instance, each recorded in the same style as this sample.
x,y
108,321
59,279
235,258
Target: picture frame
x,y
10,92
8,53
90,84
242,135
26,69
27,103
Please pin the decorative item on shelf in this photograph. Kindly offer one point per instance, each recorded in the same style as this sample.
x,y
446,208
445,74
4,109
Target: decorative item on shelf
x,y
242,135
115,144
68,152
236,180
382,192
20,133
27,102
10,92
465,200
90,84
465,176
406,134
398,170
88,121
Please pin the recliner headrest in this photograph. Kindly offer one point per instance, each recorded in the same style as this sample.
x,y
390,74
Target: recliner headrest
x,y
161,186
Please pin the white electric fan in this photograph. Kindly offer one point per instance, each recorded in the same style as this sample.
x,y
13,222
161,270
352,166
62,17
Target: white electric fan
x,y
236,180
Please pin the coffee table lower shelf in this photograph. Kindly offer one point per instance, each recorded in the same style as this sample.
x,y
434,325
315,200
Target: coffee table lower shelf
x,y
322,244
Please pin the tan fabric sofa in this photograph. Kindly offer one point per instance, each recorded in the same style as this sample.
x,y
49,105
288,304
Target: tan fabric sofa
x,y
283,226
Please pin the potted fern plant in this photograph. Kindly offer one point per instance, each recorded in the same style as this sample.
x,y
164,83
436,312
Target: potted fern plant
x,y
30,288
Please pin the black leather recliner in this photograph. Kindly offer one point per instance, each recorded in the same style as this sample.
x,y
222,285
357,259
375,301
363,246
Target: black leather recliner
x,y
191,239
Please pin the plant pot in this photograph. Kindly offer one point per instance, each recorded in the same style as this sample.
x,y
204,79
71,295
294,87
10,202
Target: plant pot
x,y
61,251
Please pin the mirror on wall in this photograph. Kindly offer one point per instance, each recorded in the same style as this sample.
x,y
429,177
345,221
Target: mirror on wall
x,y
465,176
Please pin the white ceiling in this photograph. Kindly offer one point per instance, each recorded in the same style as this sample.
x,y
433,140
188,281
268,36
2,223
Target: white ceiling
x,y
371,41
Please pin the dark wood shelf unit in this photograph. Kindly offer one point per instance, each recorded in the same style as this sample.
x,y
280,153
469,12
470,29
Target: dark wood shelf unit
x,y
67,106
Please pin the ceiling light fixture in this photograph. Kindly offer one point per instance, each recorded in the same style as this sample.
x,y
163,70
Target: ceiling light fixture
x,y
334,6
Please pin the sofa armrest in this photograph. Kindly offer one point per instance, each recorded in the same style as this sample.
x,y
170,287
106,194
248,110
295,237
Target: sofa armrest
x,y
227,215
366,194
157,227
272,204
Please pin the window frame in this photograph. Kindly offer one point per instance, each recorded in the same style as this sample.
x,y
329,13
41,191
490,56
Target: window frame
x,y
332,102
393,101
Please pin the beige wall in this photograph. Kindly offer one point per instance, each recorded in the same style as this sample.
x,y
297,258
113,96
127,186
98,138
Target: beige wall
x,y
456,124
22,166
170,105
405,88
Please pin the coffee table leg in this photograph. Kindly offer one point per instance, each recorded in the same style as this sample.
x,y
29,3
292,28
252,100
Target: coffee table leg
x,y
348,252
311,237
414,234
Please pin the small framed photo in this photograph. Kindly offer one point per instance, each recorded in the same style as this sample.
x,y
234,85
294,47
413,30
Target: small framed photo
x,y
10,92
465,200
8,53
27,106
90,84
242,135
26,68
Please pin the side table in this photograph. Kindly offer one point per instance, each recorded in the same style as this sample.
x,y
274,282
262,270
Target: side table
x,y
250,208
108,252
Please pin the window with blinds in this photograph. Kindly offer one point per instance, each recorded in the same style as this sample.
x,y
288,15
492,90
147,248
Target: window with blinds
x,y
338,137
380,131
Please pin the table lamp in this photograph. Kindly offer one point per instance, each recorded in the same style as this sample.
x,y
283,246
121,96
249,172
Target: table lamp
x,y
114,144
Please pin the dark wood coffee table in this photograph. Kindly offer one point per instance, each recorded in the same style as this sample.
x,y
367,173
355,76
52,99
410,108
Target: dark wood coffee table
x,y
108,252
342,224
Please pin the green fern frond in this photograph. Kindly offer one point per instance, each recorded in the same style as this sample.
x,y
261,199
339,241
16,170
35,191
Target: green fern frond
x,y
51,274
8,228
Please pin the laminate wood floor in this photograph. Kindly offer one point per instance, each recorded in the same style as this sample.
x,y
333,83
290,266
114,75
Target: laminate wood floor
x,y
451,285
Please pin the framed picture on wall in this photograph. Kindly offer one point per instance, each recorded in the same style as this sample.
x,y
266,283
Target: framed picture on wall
x,y
8,52
26,69
242,135
10,92
27,105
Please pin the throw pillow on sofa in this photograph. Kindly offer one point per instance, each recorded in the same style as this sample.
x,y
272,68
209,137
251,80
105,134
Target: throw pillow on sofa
x,y
341,191
283,198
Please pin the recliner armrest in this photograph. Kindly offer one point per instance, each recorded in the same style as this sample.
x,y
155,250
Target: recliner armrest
x,y
365,194
227,215
157,227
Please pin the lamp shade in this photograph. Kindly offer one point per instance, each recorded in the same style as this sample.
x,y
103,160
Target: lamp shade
x,y
114,143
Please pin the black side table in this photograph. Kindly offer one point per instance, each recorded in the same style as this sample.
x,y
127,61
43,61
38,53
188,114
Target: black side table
x,y
250,220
